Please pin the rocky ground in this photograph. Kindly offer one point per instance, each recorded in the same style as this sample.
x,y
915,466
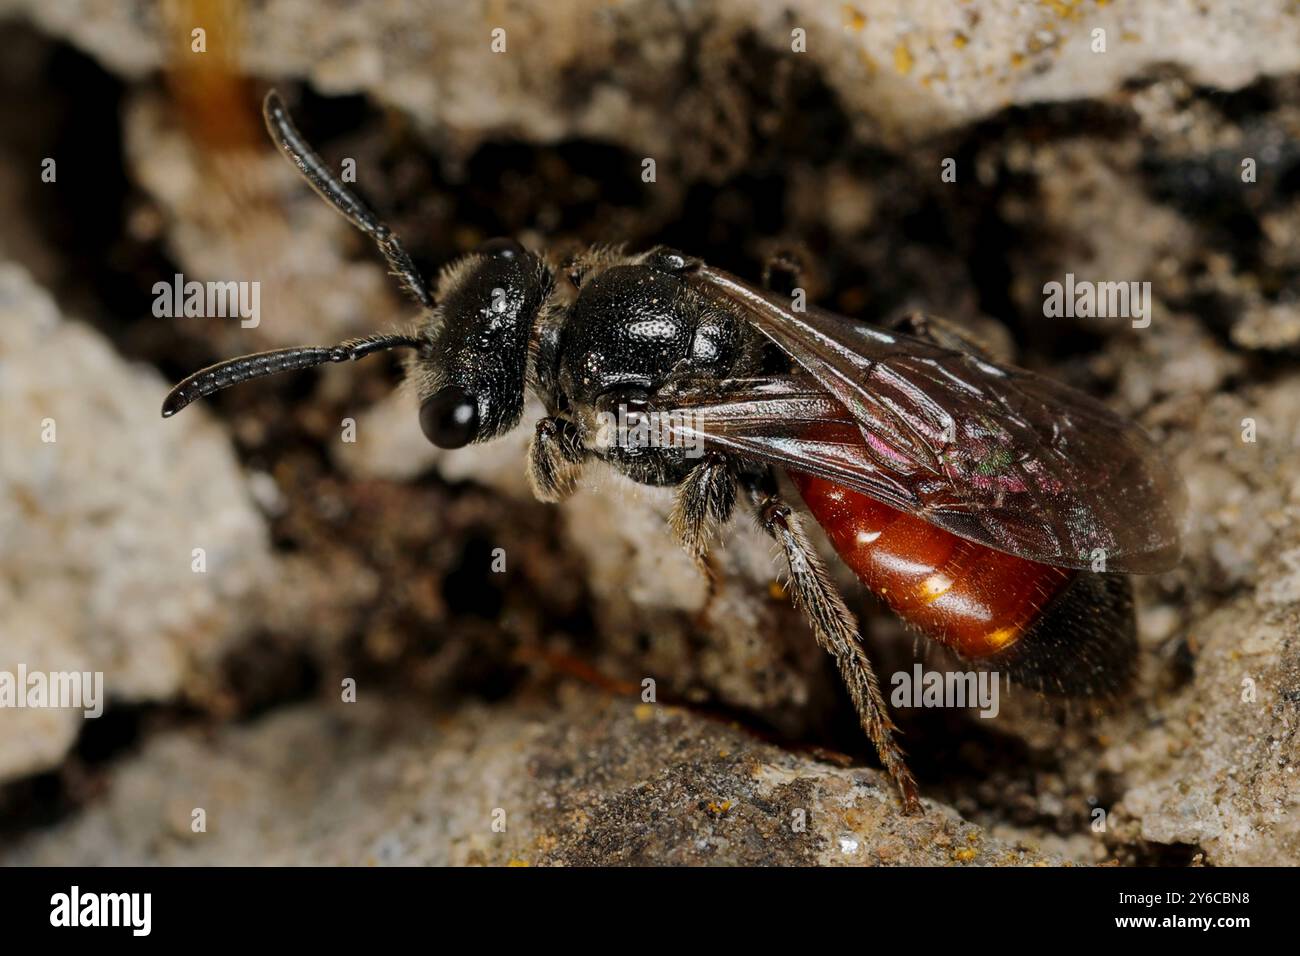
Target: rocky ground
x,y
499,714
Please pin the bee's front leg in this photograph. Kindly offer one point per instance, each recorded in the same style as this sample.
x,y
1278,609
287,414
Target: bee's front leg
x,y
555,460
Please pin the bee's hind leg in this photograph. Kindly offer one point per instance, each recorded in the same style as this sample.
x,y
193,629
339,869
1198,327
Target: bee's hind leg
x,y
835,628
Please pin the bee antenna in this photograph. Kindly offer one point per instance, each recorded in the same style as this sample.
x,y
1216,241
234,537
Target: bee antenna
x,y
233,371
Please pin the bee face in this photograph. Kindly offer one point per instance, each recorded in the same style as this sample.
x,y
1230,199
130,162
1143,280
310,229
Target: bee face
x,y
471,378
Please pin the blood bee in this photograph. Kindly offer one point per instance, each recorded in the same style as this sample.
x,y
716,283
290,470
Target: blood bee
x,y
996,511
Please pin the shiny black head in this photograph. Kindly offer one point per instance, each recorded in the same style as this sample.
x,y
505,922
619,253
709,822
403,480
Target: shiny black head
x,y
472,352
471,376
471,355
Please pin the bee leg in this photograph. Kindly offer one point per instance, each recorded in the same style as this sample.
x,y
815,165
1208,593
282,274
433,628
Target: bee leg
x,y
783,271
836,630
704,502
554,460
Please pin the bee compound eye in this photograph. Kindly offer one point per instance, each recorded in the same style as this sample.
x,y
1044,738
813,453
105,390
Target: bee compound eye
x,y
501,248
449,417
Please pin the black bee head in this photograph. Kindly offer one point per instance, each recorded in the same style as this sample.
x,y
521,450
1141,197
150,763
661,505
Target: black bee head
x,y
471,378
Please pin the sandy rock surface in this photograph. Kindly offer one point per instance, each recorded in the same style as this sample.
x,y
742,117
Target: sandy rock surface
x,y
576,781
586,67
102,511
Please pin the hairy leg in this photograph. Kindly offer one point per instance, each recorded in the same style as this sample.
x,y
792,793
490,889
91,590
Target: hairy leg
x,y
704,503
554,460
836,630
783,271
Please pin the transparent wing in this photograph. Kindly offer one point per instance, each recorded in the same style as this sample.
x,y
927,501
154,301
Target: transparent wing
x,y
786,421
990,452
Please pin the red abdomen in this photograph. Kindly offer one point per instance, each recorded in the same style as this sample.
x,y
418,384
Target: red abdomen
x,y
975,600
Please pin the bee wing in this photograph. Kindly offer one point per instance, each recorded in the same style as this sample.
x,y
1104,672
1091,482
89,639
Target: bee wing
x,y
782,420
990,452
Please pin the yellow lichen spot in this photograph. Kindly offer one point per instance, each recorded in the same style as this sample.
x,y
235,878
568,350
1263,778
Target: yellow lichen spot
x,y
644,712
935,587
724,753
903,61
776,591
1066,9
1129,37
960,41
718,809
1017,60
515,862
854,18
965,856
